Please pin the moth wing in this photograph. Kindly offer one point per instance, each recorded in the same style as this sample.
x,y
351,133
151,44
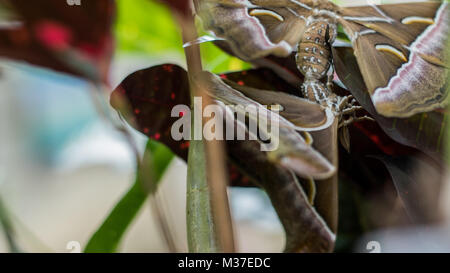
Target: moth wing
x,y
303,115
402,53
293,151
255,28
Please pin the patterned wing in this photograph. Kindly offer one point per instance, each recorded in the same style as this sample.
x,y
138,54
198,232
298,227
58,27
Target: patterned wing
x,y
255,28
402,53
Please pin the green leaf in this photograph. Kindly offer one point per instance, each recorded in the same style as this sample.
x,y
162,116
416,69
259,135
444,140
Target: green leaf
x,y
7,227
108,236
217,61
148,27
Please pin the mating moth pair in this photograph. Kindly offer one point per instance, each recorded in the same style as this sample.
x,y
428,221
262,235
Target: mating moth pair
x,y
401,51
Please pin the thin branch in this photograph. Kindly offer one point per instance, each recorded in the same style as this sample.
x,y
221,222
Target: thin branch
x,y
216,173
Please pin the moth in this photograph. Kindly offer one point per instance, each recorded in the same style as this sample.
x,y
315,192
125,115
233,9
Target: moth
x,y
400,48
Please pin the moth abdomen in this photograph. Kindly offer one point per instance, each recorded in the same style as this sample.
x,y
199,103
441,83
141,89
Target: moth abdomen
x,y
314,52
315,90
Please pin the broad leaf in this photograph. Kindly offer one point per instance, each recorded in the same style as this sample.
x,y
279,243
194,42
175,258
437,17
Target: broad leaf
x,y
146,98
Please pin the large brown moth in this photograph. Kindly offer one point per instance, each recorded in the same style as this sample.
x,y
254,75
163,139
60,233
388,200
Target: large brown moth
x,y
400,48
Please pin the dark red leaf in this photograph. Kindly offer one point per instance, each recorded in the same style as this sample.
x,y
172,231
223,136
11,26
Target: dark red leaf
x,y
146,98
68,38
262,78
368,140
381,186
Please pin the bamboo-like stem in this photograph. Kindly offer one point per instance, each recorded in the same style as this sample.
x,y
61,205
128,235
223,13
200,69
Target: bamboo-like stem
x,y
216,174
199,220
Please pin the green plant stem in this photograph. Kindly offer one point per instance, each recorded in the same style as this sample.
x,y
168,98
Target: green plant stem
x,y
207,199
108,236
200,225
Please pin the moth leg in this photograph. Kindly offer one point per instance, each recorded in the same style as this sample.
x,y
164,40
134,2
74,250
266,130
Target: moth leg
x,y
352,119
358,119
348,106
330,77
345,101
338,103
351,110
346,122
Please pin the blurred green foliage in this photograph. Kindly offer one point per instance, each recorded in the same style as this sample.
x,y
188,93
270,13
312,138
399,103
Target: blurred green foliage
x,y
147,27
106,239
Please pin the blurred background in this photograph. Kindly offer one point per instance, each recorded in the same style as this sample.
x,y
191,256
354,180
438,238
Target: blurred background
x,y
63,167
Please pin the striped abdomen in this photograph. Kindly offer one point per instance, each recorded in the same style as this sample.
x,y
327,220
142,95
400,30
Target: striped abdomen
x,y
314,57
314,52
